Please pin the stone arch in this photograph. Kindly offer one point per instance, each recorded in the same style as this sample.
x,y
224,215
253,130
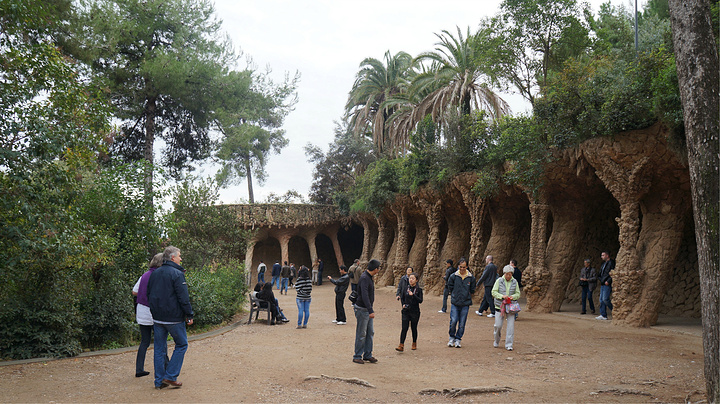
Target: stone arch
x,y
299,252
268,250
351,242
326,252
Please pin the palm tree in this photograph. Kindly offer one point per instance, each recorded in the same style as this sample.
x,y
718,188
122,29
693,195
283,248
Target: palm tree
x,y
375,83
455,80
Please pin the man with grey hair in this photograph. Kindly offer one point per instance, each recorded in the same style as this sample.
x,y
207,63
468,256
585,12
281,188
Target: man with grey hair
x,y
488,280
169,301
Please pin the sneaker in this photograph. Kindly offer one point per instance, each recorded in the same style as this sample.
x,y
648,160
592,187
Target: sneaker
x,y
491,315
335,321
451,343
478,313
509,348
441,311
496,345
304,326
600,318
457,343
359,361
370,359
341,323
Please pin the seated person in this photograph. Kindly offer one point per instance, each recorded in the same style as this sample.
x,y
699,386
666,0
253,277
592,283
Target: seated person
x,y
265,294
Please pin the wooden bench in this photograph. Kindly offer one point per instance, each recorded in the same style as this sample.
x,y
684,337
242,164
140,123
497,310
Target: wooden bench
x,y
256,307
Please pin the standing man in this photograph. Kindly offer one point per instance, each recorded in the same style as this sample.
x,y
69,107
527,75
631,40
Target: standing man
x,y
293,274
276,274
285,275
341,286
364,314
588,280
261,272
354,275
517,273
488,279
321,265
448,271
169,301
605,285
461,285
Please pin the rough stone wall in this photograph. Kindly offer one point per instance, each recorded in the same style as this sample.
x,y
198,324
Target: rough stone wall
x,y
683,293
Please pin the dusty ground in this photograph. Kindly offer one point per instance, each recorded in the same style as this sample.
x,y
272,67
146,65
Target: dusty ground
x,y
557,358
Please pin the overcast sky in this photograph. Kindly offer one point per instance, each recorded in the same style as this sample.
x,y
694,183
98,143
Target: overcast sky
x,y
325,41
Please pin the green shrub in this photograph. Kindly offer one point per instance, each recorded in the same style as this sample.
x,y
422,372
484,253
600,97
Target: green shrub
x,y
217,294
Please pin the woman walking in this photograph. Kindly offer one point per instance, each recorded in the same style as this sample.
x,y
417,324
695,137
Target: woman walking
x,y
143,316
411,297
505,291
303,287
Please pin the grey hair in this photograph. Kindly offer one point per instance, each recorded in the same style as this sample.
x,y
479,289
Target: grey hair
x,y
170,252
157,260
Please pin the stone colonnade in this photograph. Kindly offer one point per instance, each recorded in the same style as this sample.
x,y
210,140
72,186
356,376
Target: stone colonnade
x,y
629,195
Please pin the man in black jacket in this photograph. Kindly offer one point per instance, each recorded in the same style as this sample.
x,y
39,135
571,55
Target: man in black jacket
x,y
462,286
341,286
605,285
364,314
448,271
488,279
170,307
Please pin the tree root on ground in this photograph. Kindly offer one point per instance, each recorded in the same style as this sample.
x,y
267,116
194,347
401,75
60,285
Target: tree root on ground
x,y
456,392
351,380
620,392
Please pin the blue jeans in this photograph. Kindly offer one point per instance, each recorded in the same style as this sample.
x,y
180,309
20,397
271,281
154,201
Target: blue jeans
x,y
261,277
586,295
605,292
164,369
364,333
284,285
275,279
458,317
303,311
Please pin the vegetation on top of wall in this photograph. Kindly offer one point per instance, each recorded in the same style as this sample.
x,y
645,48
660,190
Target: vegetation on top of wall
x,y
583,80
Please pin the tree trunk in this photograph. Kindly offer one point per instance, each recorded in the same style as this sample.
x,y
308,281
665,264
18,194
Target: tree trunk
x,y
698,70
251,197
148,154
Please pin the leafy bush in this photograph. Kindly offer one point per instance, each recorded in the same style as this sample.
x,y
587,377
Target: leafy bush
x,y
218,293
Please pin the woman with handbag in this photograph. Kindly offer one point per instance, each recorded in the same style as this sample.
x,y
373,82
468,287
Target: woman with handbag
x,y
588,281
411,296
506,292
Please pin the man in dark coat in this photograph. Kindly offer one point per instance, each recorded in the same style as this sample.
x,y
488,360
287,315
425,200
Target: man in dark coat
x,y
488,279
169,301
341,287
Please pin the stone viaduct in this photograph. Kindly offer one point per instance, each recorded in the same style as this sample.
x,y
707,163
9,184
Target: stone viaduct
x,y
629,195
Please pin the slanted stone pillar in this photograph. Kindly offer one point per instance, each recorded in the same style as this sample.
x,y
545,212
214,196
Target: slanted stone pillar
x,y
476,206
536,283
370,235
250,271
383,243
401,248
431,204
310,239
332,232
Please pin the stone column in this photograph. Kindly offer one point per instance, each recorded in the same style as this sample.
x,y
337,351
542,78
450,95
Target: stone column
x,y
250,271
310,239
332,231
477,208
367,239
534,276
401,248
432,276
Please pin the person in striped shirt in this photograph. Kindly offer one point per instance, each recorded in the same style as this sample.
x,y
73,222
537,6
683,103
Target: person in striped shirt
x,y
303,287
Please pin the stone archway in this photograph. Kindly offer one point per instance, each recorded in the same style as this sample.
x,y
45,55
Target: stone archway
x,y
351,243
299,252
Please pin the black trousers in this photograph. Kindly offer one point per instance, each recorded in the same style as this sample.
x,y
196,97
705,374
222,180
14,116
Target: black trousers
x,y
339,307
145,340
488,301
409,319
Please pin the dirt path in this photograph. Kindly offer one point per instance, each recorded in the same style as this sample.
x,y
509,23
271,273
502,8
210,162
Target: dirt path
x,y
556,359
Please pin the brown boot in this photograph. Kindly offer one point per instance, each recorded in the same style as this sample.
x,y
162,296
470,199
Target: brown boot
x,y
400,348
414,346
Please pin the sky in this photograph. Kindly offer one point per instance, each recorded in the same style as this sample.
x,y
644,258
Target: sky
x,y
325,41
